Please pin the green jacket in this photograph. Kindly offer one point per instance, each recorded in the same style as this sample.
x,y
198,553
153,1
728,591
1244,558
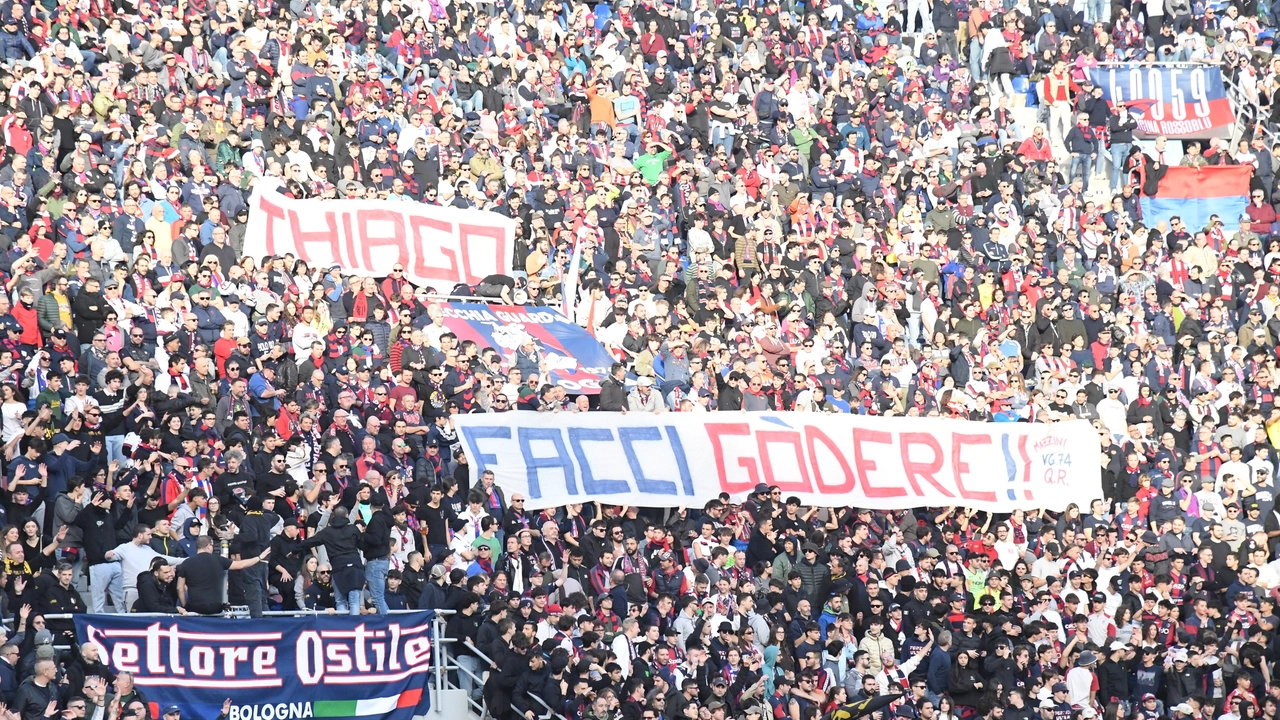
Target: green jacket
x,y
54,401
47,312
651,166
227,156
804,139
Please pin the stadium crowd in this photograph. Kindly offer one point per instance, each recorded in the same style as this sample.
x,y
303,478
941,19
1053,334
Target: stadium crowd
x,y
822,207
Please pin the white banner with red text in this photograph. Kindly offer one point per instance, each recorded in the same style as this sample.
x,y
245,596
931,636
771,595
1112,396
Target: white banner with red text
x,y
675,459
437,246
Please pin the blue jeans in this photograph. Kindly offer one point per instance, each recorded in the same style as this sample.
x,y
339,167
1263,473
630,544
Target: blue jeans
x,y
115,447
375,576
349,604
722,136
474,665
106,578
1084,163
1119,151
633,132
975,59
1097,11
473,103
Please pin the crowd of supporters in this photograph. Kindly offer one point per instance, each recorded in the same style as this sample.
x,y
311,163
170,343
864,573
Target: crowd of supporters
x,y
918,208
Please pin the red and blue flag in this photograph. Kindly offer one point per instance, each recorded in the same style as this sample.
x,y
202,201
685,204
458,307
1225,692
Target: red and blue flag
x,y
1197,194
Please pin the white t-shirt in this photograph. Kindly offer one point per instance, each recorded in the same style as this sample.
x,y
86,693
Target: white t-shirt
x,y
12,420
1043,568
1079,683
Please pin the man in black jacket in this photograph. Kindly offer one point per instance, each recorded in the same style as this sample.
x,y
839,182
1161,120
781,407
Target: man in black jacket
x,y
501,686
434,593
462,629
286,559
98,529
1113,674
535,680
156,590
61,598
37,698
253,540
489,631
342,541
377,550
9,673
88,665
613,389
946,21
1120,128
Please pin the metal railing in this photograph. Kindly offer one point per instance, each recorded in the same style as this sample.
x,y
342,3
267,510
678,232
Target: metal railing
x,y
551,714
550,304
1249,119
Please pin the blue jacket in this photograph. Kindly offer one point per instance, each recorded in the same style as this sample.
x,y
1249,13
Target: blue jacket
x,y
61,468
939,671
14,46
210,324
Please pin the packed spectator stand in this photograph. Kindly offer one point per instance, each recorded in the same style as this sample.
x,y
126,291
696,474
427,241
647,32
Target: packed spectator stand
x,y
918,208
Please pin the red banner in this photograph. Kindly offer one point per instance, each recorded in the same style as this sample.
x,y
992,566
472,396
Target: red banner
x,y
435,245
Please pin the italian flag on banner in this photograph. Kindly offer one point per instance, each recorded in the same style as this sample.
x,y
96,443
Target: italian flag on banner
x,y
366,706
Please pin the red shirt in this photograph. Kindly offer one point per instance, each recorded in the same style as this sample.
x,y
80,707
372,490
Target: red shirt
x,y
222,350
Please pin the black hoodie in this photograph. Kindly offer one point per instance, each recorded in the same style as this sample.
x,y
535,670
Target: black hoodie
x,y
342,541
99,532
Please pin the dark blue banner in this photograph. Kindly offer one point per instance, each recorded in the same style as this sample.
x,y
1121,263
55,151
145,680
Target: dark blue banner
x,y
1180,101
278,668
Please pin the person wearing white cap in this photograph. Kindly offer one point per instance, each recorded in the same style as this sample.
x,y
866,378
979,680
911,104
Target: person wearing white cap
x,y
255,161
644,398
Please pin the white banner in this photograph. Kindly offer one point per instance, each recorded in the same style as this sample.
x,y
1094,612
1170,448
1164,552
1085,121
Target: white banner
x,y
435,245
676,459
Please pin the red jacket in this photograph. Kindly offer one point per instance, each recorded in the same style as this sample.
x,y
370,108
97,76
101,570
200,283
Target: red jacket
x,y
1262,217
30,324
1059,88
1036,153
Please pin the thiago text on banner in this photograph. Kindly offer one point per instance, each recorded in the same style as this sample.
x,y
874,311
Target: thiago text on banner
x,y
1176,100
572,357
673,459
437,246
322,666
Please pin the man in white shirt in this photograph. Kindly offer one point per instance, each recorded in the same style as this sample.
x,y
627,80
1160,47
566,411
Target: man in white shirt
x,y
1008,551
304,333
1080,681
1046,566
1210,501
1235,467
135,557
624,645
